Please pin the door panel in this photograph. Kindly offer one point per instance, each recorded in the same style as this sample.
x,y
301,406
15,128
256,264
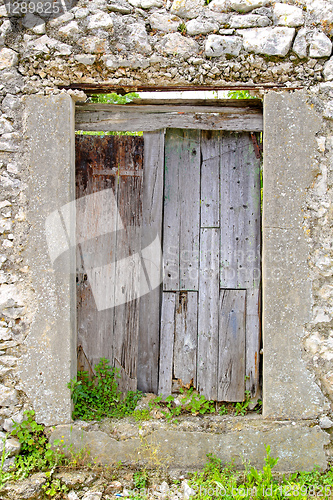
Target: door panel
x,y
198,194
108,304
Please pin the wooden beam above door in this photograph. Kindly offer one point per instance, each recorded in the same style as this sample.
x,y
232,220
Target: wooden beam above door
x,y
148,115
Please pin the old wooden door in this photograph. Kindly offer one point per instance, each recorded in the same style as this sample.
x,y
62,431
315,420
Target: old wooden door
x,y
197,192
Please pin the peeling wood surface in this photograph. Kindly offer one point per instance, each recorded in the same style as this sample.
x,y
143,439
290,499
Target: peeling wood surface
x,y
105,331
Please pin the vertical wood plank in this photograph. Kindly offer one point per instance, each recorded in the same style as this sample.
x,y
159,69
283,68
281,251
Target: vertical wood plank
x,y
208,313
128,263
189,196
240,213
231,371
171,219
97,245
253,342
152,200
167,343
210,178
186,333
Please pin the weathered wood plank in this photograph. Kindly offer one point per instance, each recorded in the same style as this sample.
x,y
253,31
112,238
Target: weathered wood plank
x,y
241,107
171,217
152,200
210,178
186,334
208,313
137,120
166,343
253,342
231,371
189,210
96,228
128,262
143,102
240,213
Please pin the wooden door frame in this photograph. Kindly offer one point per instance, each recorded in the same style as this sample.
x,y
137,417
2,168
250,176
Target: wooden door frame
x,y
289,390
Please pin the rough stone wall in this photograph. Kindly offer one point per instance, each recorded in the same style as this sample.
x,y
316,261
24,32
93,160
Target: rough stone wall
x,y
167,43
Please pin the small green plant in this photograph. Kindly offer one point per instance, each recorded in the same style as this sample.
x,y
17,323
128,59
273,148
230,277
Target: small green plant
x,y
197,404
182,28
239,94
53,486
4,476
99,397
36,453
114,98
140,479
143,414
241,407
223,410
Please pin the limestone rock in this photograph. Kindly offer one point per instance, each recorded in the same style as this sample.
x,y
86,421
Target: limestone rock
x,y
219,6
320,10
164,22
92,495
327,113
113,487
12,447
100,20
288,15
65,18
328,69
249,21
75,479
8,396
146,4
5,126
8,58
45,44
70,29
93,45
25,490
201,26
325,422
72,495
35,23
138,38
270,41
176,44
81,13
217,45
320,45
86,59
300,44
120,6
189,9
246,5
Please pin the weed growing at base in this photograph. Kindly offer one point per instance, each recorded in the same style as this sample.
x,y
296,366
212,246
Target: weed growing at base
x,y
227,483
98,396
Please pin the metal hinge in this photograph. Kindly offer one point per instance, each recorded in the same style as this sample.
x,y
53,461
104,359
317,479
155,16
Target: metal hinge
x,y
257,147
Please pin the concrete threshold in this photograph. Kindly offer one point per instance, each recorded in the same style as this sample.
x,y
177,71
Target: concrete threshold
x,y
183,446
